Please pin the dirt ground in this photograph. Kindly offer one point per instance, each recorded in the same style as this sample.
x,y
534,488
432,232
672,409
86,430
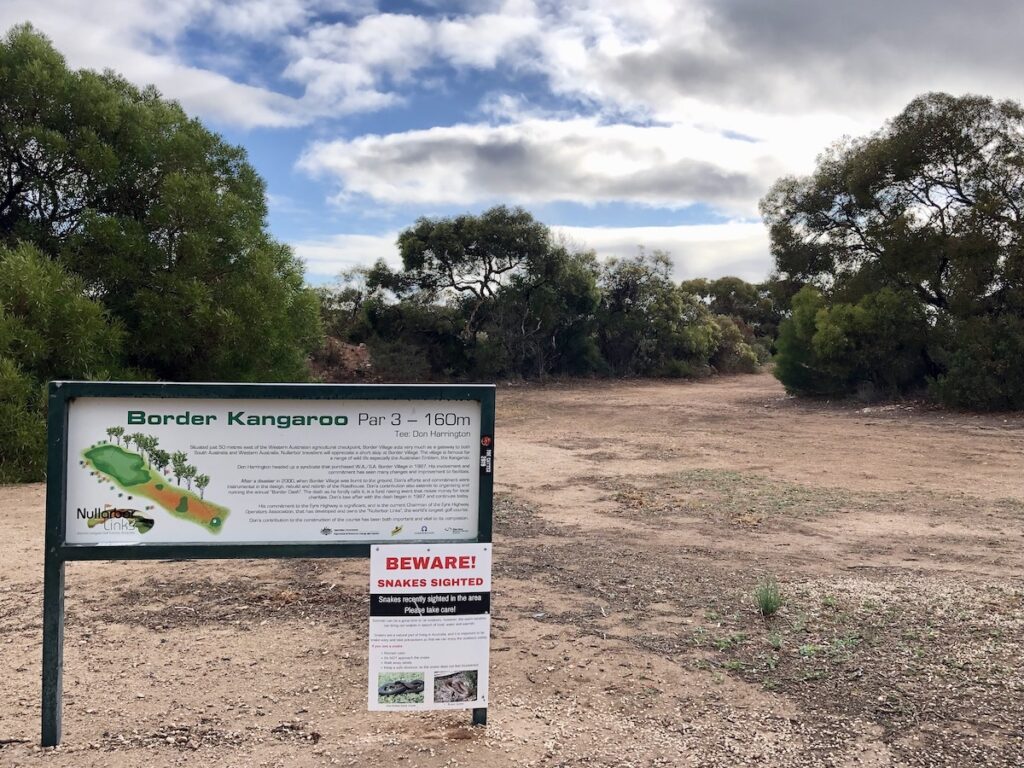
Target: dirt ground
x,y
635,522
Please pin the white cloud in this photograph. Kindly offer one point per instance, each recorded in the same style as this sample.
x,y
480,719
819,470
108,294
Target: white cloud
x,y
798,73
704,250
258,18
137,39
263,19
790,57
364,66
344,68
482,41
697,250
328,257
211,94
539,160
696,69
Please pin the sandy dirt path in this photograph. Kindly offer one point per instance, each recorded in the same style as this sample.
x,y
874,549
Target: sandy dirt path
x,y
635,522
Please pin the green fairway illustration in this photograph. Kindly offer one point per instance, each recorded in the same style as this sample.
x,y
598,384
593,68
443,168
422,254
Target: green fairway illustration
x,y
132,473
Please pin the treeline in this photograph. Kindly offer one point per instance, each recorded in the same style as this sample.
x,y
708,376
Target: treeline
x,y
134,245
497,296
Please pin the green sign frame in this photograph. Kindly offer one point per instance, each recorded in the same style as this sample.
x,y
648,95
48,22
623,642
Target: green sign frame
x,y
58,551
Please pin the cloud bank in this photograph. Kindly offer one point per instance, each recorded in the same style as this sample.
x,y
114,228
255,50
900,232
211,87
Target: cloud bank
x,y
538,161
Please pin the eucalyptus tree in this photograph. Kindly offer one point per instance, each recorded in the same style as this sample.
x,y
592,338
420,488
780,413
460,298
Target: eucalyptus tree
x,y
930,209
164,221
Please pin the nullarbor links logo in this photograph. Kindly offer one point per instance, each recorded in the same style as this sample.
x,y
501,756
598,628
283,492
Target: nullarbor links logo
x,y
116,520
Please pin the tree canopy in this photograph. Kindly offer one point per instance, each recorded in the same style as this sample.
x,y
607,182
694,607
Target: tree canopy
x,y
926,213
471,256
163,221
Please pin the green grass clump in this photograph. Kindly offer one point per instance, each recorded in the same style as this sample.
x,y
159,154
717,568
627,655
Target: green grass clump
x,y
768,597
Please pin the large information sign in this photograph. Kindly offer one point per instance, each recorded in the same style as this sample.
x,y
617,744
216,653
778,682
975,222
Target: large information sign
x,y
148,470
153,471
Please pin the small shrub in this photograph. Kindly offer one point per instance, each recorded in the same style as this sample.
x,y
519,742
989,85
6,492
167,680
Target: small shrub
x,y
768,597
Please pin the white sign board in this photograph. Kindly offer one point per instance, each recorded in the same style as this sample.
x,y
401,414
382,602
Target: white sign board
x,y
430,626
189,470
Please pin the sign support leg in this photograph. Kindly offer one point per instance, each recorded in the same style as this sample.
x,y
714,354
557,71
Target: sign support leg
x,y
480,716
53,648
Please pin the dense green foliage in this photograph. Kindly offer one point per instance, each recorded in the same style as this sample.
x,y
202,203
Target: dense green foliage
x,y
163,220
911,245
49,329
753,306
141,215
873,347
495,295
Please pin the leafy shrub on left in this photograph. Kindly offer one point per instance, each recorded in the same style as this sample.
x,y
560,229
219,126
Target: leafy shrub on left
x,y
49,329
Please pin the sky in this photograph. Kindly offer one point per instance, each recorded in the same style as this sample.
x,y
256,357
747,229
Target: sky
x,y
620,124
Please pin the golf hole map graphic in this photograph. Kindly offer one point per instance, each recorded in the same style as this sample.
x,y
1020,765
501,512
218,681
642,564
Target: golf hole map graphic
x,y
190,470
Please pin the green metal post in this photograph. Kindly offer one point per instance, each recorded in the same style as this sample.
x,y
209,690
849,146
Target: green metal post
x,y
53,648
53,568
487,408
